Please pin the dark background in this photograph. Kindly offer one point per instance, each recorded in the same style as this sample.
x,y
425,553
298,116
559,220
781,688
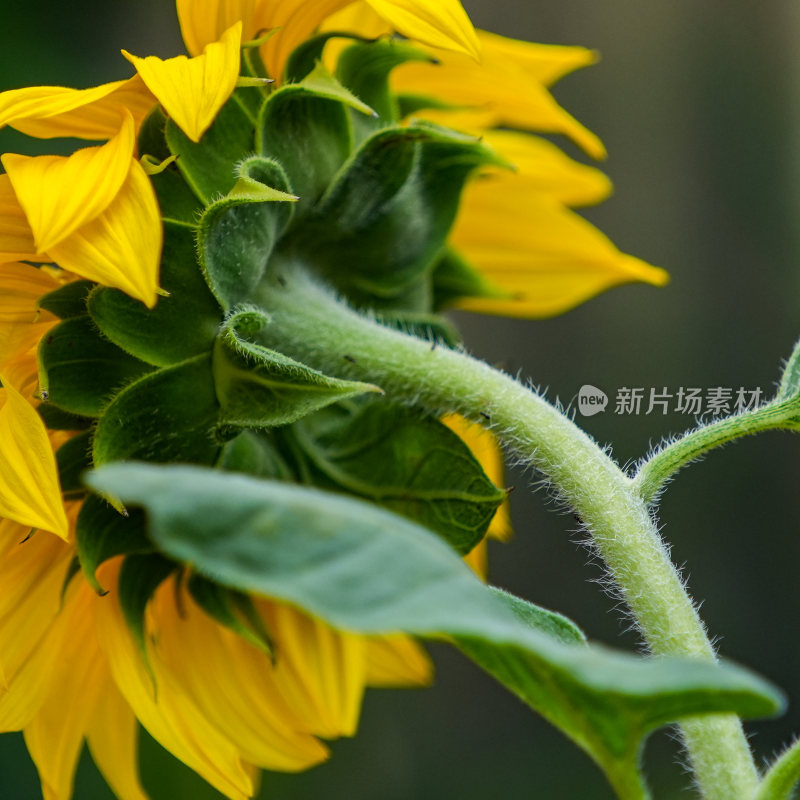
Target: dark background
x,y
698,106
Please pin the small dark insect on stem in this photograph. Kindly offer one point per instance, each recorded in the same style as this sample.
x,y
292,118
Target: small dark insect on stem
x,y
349,358
486,416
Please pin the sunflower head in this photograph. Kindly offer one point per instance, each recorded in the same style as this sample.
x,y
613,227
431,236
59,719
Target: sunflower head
x,y
298,139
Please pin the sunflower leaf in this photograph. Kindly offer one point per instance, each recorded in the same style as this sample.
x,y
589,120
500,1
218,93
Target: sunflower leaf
x,y
410,464
364,569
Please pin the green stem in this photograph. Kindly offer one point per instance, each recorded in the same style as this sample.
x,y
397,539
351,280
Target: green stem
x,y
655,472
310,325
783,776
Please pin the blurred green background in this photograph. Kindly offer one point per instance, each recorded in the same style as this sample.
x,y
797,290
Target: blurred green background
x,y
698,106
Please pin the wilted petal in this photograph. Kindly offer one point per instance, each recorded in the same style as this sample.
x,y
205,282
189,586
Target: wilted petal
x,y
29,489
440,23
122,247
544,257
50,111
193,90
60,195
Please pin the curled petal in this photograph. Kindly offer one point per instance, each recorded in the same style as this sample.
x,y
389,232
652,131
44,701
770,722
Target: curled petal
x,y
29,488
50,111
60,195
543,257
193,90
122,247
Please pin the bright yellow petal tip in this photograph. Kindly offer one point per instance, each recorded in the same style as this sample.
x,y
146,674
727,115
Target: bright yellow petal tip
x,y
545,258
193,90
439,23
29,488
122,247
60,195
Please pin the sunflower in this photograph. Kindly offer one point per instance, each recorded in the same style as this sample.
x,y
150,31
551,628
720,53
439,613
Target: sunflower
x,y
123,321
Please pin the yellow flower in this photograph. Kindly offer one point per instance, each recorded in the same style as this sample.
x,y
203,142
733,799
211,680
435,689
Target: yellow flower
x,y
70,667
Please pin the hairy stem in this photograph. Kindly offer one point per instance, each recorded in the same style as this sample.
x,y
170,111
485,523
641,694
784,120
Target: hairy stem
x,y
309,324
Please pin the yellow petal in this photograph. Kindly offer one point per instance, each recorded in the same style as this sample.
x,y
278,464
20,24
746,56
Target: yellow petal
x,y
172,719
29,489
487,451
54,737
546,258
16,237
193,90
320,672
113,738
545,168
503,91
60,195
397,661
204,21
478,559
22,324
439,23
50,111
546,63
232,683
122,247
30,638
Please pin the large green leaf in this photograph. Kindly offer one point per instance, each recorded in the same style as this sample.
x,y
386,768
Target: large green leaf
x,y
237,233
411,464
169,415
80,370
384,220
305,126
260,388
182,325
364,569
